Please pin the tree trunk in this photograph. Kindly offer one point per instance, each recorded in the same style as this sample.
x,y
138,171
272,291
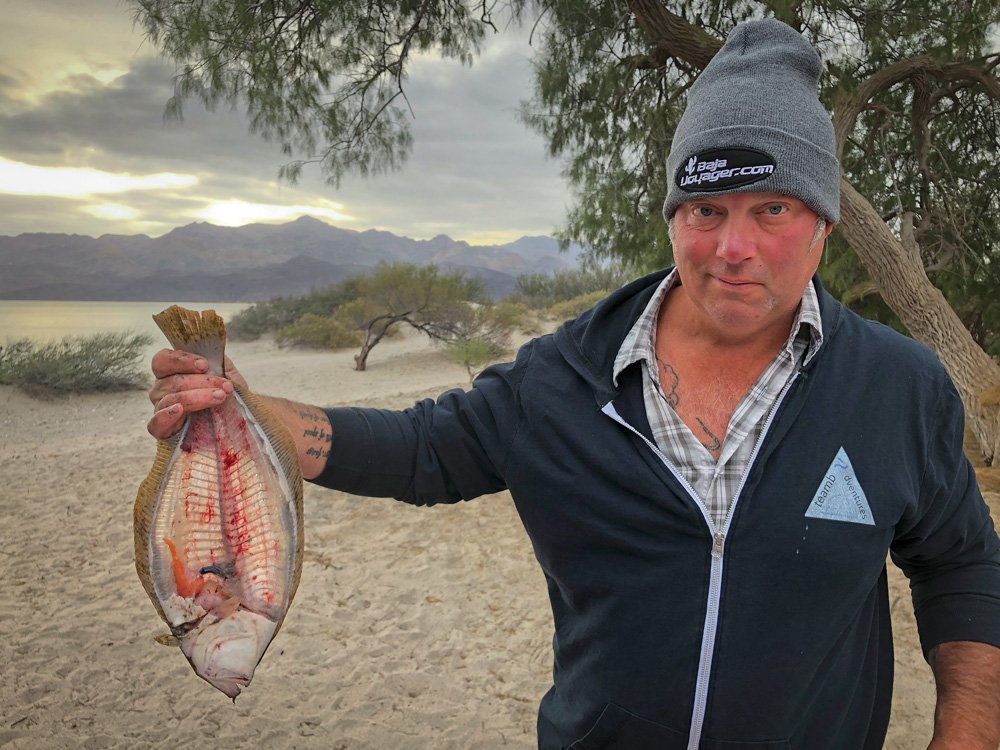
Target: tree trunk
x,y
371,339
361,358
924,311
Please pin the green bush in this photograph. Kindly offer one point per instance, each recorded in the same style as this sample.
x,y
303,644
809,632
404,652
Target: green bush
x,y
540,291
102,362
318,332
572,307
512,315
474,353
281,312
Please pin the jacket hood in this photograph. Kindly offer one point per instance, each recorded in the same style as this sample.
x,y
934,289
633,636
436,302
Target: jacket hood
x,y
586,345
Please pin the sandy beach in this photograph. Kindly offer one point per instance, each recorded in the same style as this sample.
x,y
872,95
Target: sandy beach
x,y
412,628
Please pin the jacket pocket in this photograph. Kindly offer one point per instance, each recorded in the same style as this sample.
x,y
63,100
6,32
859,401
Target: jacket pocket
x,y
710,744
618,729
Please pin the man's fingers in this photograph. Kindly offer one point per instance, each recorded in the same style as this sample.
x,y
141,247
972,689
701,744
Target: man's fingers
x,y
168,362
194,399
171,409
166,422
181,383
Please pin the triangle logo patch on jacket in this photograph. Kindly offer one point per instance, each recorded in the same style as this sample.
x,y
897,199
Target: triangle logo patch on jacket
x,y
840,496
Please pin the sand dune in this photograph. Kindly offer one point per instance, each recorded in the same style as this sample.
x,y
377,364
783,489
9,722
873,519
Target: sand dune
x,y
412,628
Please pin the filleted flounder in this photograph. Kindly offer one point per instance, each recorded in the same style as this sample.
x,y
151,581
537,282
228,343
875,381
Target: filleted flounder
x,y
218,521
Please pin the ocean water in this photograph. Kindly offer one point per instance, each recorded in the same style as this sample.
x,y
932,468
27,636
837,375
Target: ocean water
x,y
45,320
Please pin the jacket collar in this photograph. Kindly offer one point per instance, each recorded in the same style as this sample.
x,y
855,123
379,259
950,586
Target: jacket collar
x,y
590,343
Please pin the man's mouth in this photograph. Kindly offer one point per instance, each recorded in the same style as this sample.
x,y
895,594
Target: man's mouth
x,y
731,281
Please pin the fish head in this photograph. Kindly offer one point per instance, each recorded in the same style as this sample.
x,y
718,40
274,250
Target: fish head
x,y
225,651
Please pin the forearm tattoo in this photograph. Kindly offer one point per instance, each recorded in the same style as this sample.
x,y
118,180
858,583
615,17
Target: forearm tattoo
x,y
319,436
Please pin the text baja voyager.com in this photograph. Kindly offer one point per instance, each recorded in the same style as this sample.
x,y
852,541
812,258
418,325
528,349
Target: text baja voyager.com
x,y
715,170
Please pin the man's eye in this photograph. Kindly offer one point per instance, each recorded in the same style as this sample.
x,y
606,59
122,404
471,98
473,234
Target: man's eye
x,y
776,210
704,212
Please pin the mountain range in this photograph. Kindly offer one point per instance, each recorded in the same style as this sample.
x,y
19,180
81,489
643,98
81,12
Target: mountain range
x,y
204,262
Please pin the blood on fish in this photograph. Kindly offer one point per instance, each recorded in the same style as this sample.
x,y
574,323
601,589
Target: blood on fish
x,y
230,458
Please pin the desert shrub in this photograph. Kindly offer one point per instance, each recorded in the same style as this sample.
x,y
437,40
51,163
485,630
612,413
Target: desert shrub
x,y
318,332
281,312
540,291
512,315
474,353
481,334
102,362
572,307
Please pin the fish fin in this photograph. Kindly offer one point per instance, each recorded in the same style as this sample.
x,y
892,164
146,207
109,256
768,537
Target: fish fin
x,y
991,396
143,514
201,333
167,639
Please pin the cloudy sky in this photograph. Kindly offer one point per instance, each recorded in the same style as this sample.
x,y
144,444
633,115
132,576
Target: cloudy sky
x,y
84,147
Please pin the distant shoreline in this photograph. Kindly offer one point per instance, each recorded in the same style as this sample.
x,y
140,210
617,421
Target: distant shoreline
x,y
51,320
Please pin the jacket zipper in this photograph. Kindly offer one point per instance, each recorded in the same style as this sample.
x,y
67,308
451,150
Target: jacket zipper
x,y
718,550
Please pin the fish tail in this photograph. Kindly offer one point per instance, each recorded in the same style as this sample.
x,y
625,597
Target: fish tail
x,y
201,333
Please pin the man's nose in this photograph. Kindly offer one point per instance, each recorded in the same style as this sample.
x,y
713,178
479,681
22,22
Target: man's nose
x,y
737,240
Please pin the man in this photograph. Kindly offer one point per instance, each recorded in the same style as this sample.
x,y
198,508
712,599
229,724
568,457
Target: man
x,y
713,463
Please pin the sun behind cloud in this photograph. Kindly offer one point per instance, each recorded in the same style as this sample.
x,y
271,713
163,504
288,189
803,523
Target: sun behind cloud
x,y
235,213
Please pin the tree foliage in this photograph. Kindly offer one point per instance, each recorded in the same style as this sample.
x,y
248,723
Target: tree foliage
x,y
321,78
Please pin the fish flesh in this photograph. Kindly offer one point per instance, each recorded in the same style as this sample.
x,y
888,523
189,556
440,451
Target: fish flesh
x,y
218,521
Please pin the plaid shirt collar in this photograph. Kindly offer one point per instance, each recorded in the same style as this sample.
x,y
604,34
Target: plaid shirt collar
x,y
640,341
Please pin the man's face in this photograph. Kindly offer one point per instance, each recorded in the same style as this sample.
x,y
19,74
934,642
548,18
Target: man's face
x,y
744,260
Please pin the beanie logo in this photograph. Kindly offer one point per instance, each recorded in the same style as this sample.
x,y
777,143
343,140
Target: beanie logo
x,y
723,169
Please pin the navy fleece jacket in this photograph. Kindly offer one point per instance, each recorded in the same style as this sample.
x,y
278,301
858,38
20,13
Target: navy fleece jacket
x,y
773,635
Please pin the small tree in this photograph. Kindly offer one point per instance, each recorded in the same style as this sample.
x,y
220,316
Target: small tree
x,y
433,303
483,335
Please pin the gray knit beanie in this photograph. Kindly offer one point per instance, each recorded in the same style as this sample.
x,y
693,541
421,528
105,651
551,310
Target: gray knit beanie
x,y
754,123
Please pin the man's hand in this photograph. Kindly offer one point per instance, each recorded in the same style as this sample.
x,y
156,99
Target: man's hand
x,y
967,716
183,385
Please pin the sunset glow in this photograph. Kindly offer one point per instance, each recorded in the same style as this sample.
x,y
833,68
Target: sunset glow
x,y
18,178
235,213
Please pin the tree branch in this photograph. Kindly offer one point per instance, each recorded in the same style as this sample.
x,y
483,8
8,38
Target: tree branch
x,y
846,110
673,34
